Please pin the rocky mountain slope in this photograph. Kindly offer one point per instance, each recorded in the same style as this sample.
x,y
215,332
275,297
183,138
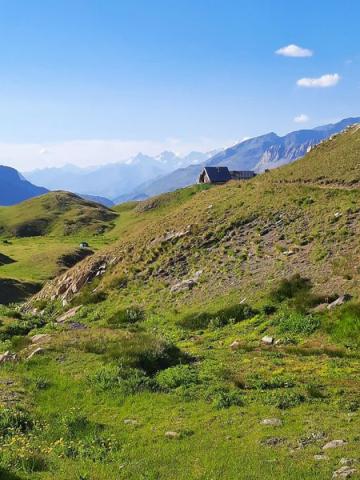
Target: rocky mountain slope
x,y
274,225
259,153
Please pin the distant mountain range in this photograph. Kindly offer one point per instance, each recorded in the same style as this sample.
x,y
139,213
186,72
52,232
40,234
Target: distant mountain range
x,y
258,154
143,176
14,188
115,179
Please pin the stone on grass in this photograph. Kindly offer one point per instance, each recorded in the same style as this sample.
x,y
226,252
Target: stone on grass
x,y
235,345
344,472
37,351
7,357
320,458
267,340
130,421
273,422
339,301
334,444
172,435
40,338
347,461
69,314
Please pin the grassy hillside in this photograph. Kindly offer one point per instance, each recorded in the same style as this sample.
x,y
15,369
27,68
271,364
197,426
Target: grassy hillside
x,y
155,364
56,213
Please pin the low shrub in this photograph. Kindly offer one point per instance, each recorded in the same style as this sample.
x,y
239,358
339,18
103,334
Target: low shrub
x,y
15,420
121,379
277,381
126,316
290,322
178,376
284,400
218,319
344,324
143,351
227,398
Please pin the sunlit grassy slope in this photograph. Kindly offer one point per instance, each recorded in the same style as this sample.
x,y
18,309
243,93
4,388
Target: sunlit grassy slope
x,y
144,380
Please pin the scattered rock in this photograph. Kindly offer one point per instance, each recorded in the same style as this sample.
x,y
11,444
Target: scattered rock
x,y
347,461
187,284
339,301
37,351
311,438
320,308
344,472
7,357
69,314
337,214
77,326
274,422
320,458
273,441
267,340
334,444
130,421
172,435
235,345
40,338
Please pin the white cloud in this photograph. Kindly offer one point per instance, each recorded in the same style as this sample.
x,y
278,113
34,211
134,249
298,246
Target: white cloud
x,y
328,80
294,51
302,118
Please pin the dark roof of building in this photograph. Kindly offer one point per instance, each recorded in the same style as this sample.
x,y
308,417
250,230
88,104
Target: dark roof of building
x,y
218,174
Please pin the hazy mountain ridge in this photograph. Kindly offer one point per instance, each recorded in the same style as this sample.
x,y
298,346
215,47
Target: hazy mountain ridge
x,y
115,179
14,188
260,153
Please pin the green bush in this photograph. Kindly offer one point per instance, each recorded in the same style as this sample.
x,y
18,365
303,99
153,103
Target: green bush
x,y
284,400
178,376
227,398
277,381
344,324
126,316
290,322
13,420
121,379
218,319
143,351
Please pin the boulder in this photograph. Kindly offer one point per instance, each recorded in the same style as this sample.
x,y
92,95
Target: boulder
x,y
320,458
274,422
40,338
334,444
37,351
267,340
235,345
339,301
130,421
172,435
7,357
344,472
69,314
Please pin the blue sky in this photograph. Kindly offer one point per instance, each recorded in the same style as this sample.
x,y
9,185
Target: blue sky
x,y
130,75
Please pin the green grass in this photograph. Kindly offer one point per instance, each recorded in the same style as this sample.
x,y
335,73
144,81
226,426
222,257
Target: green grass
x,y
139,359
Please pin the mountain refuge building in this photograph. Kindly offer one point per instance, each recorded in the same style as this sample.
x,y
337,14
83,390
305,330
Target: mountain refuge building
x,y
219,175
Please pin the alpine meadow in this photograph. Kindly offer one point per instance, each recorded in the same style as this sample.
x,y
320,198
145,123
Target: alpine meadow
x,y
190,312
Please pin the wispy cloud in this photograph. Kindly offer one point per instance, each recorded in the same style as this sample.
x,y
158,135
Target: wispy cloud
x,y
328,80
302,118
294,51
